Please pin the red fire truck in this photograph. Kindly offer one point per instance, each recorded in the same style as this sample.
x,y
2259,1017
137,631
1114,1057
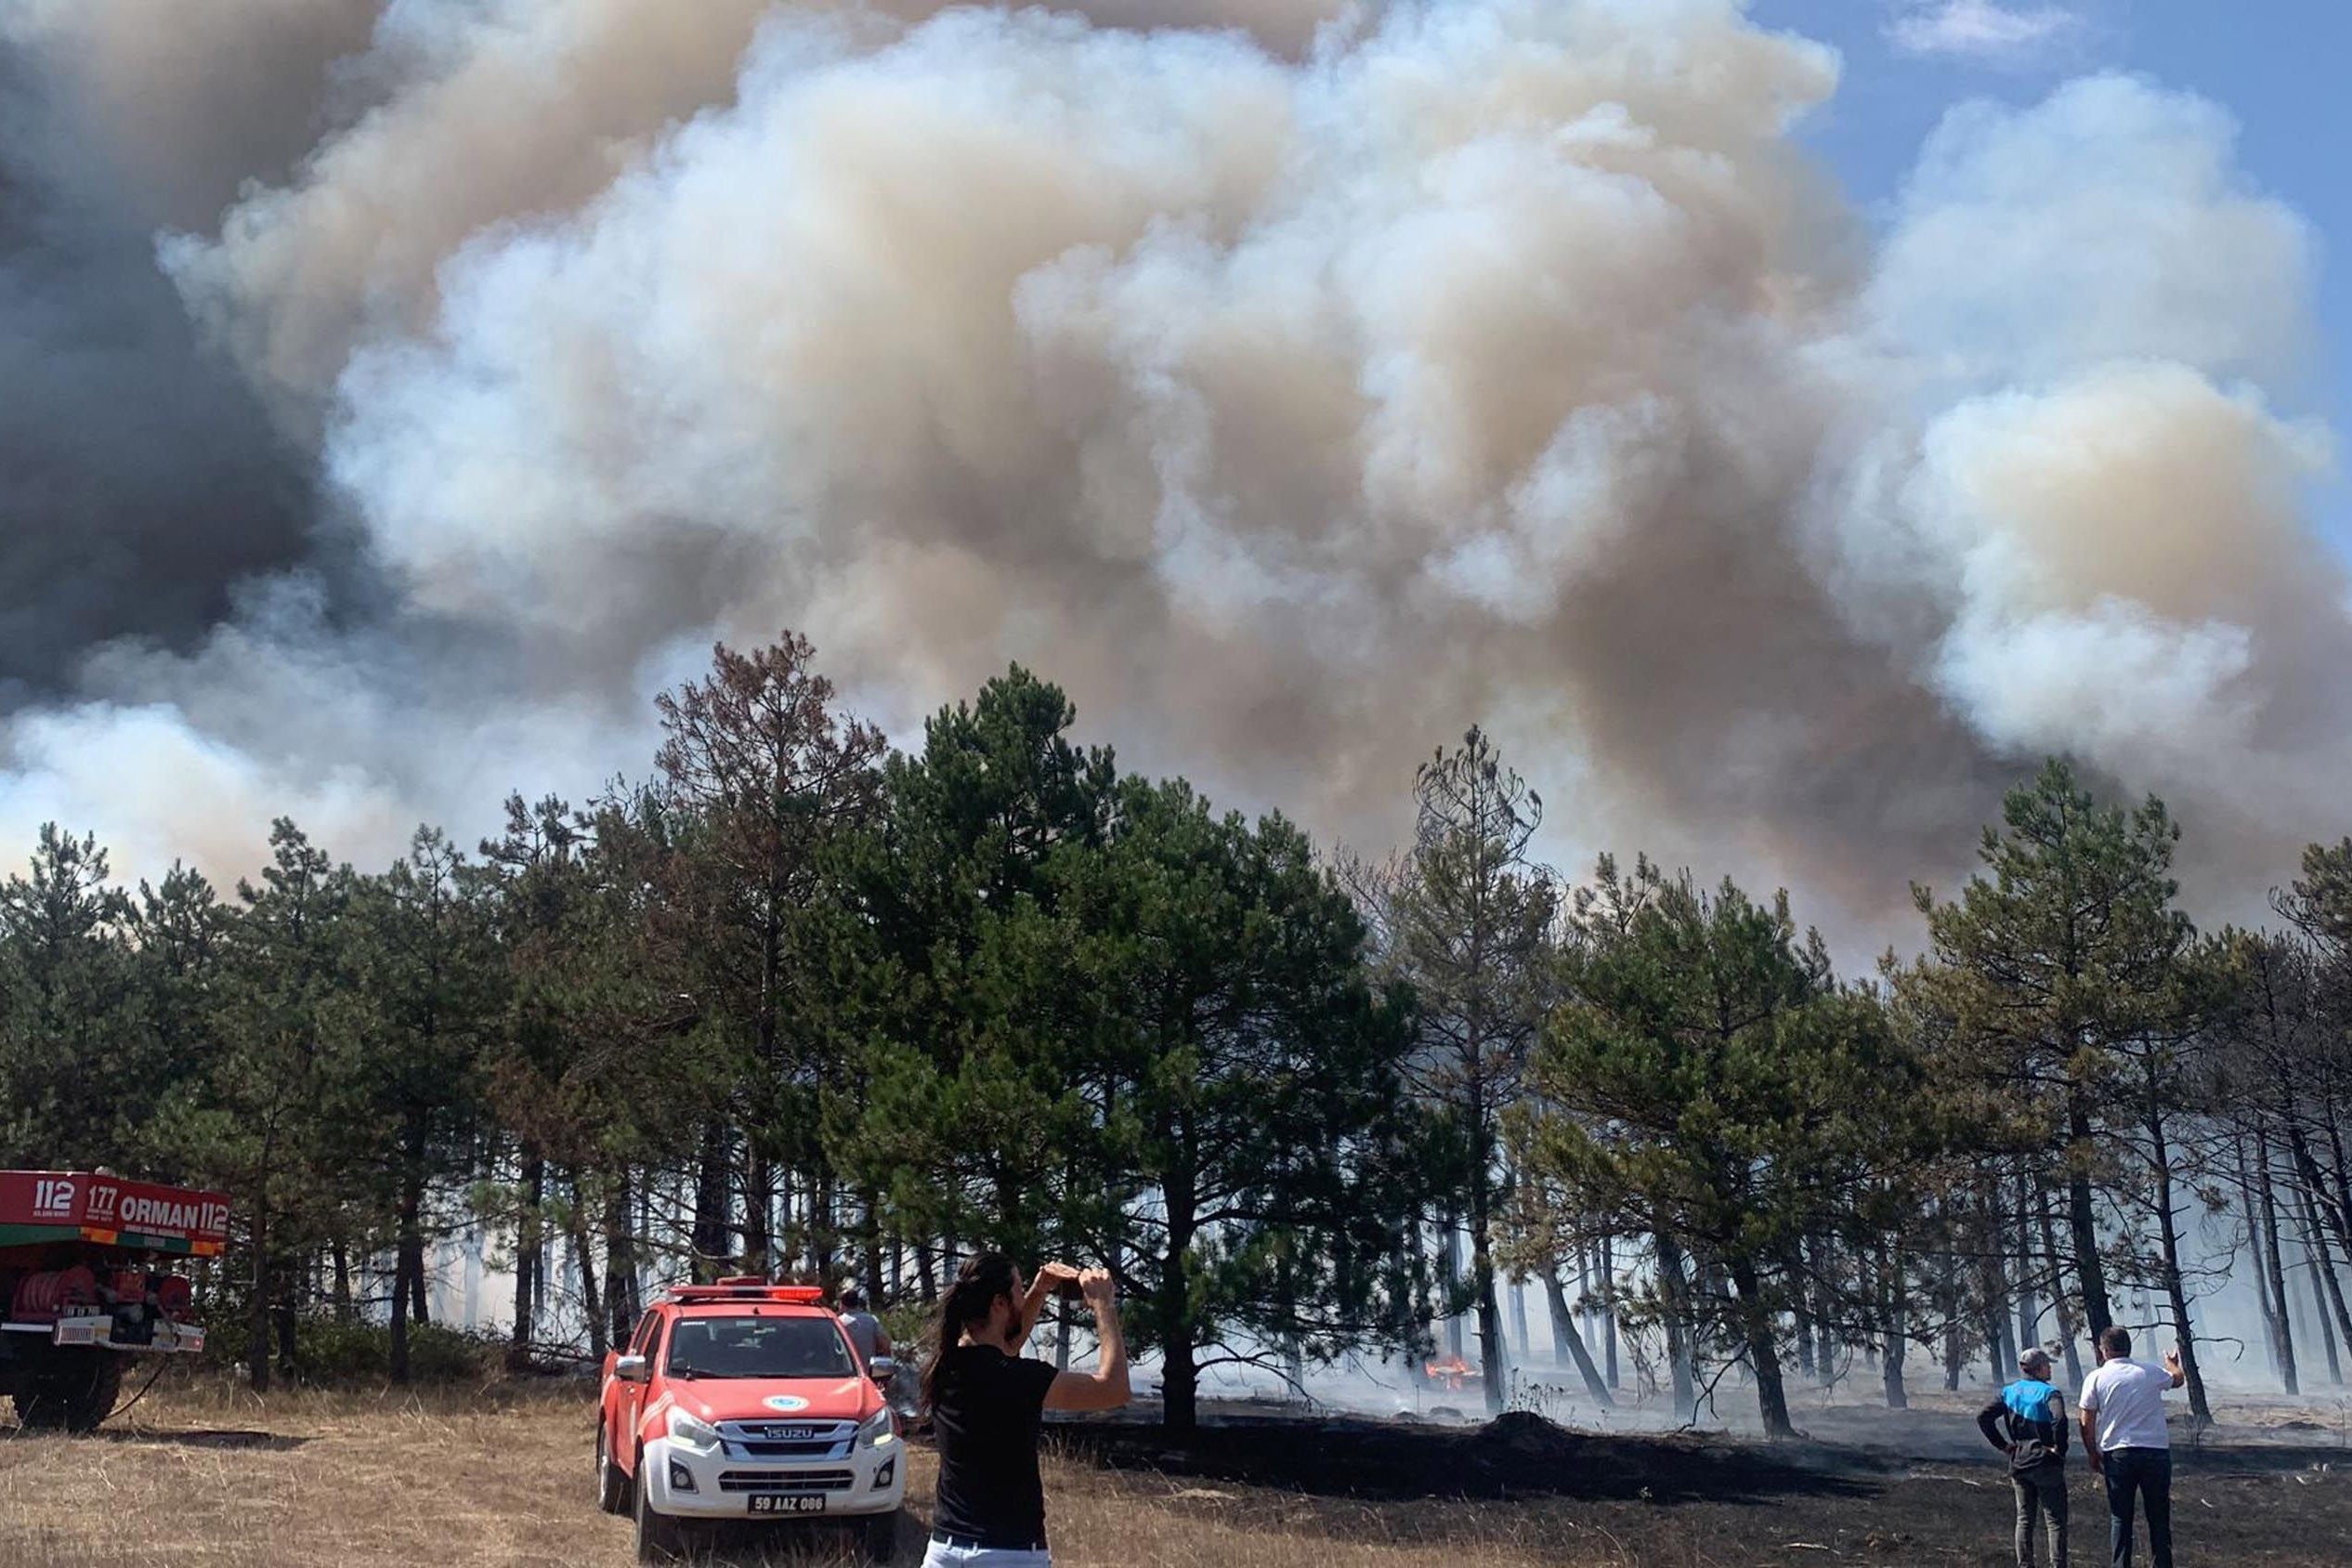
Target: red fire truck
x,y
86,1282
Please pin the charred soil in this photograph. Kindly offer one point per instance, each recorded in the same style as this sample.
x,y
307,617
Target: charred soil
x,y
209,1478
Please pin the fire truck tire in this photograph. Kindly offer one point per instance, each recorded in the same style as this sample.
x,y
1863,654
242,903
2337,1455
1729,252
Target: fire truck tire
x,y
882,1537
74,1395
658,1534
612,1482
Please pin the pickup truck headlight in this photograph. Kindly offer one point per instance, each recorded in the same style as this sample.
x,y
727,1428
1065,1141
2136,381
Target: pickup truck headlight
x,y
879,1430
692,1430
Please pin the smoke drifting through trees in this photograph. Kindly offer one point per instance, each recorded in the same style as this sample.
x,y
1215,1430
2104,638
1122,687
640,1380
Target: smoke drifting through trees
x,y
1292,393
799,1003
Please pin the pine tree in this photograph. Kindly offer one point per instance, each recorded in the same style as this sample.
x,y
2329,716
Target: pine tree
x,y
1709,1083
763,775
422,950
1465,919
81,1070
2062,978
1260,1102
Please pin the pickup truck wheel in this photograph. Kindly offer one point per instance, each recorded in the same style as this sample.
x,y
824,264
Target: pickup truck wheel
x,y
612,1486
656,1533
74,1394
882,1537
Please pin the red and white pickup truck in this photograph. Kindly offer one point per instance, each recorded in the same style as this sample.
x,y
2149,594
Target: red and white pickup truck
x,y
86,1281
745,1400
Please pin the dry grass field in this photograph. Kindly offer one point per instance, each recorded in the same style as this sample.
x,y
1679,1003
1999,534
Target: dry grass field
x,y
212,1478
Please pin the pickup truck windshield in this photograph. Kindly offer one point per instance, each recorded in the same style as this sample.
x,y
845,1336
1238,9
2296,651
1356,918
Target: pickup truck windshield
x,y
759,1347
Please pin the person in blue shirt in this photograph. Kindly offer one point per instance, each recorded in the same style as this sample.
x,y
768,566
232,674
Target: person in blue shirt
x,y
2027,1423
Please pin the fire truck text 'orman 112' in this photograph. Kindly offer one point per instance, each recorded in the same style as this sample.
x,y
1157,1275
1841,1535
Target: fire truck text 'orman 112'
x,y
87,1283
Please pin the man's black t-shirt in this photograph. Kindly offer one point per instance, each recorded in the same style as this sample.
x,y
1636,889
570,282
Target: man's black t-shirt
x,y
986,1417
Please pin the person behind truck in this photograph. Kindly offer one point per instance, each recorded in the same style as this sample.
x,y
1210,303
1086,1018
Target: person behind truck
x,y
2026,1422
866,1331
2123,1407
986,1400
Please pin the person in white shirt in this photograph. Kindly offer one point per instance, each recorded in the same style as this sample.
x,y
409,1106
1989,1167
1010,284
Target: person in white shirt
x,y
866,1331
2122,1412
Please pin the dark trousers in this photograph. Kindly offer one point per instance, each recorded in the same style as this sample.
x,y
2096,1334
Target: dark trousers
x,y
2144,1474
2041,1496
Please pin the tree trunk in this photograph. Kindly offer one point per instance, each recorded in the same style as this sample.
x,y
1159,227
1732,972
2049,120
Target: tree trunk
x,y
283,1313
1453,1246
2070,1337
2082,1217
2273,1270
2319,1307
2176,1290
1948,1304
2029,1304
1490,1318
411,1245
2324,1283
1676,1290
759,1198
408,1278
822,1234
1179,1411
620,1257
420,1304
1568,1340
257,1352
712,1203
1994,1282
591,1299
926,1276
2313,1184
529,1231
1556,1304
870,1243
1772,1400
1801,1327
1609,1310
1890,1360
1824,1260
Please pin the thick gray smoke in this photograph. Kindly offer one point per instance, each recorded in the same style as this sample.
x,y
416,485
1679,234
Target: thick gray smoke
x,y
139,480
1296,381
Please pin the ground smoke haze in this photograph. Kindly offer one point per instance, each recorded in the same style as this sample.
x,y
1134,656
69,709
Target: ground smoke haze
x,y
1294,396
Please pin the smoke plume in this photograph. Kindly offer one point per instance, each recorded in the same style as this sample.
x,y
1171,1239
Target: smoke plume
x,y
1295,382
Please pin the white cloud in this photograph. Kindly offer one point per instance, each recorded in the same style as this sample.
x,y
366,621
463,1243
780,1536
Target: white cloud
x,y
1980,29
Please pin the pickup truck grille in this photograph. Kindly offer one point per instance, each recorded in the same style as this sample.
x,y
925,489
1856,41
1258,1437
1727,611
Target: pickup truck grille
x,y
786,1480
788,1440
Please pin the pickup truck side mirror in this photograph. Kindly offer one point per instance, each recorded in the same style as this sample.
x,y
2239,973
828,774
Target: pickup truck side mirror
x,y
632,1369
883,1368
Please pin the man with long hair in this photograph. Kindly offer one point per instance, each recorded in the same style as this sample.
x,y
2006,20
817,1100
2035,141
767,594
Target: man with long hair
x,y
987,1401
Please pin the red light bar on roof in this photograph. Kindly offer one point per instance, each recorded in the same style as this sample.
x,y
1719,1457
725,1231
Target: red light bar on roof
x,y
750,1288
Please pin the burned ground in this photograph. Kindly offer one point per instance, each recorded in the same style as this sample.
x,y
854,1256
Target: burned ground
x,y
210,1478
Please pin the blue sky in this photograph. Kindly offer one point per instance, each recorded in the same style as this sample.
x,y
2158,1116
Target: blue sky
x,y
2279,67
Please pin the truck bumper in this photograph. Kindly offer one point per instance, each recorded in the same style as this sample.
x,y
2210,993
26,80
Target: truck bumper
x,y
97,1331
869,1481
